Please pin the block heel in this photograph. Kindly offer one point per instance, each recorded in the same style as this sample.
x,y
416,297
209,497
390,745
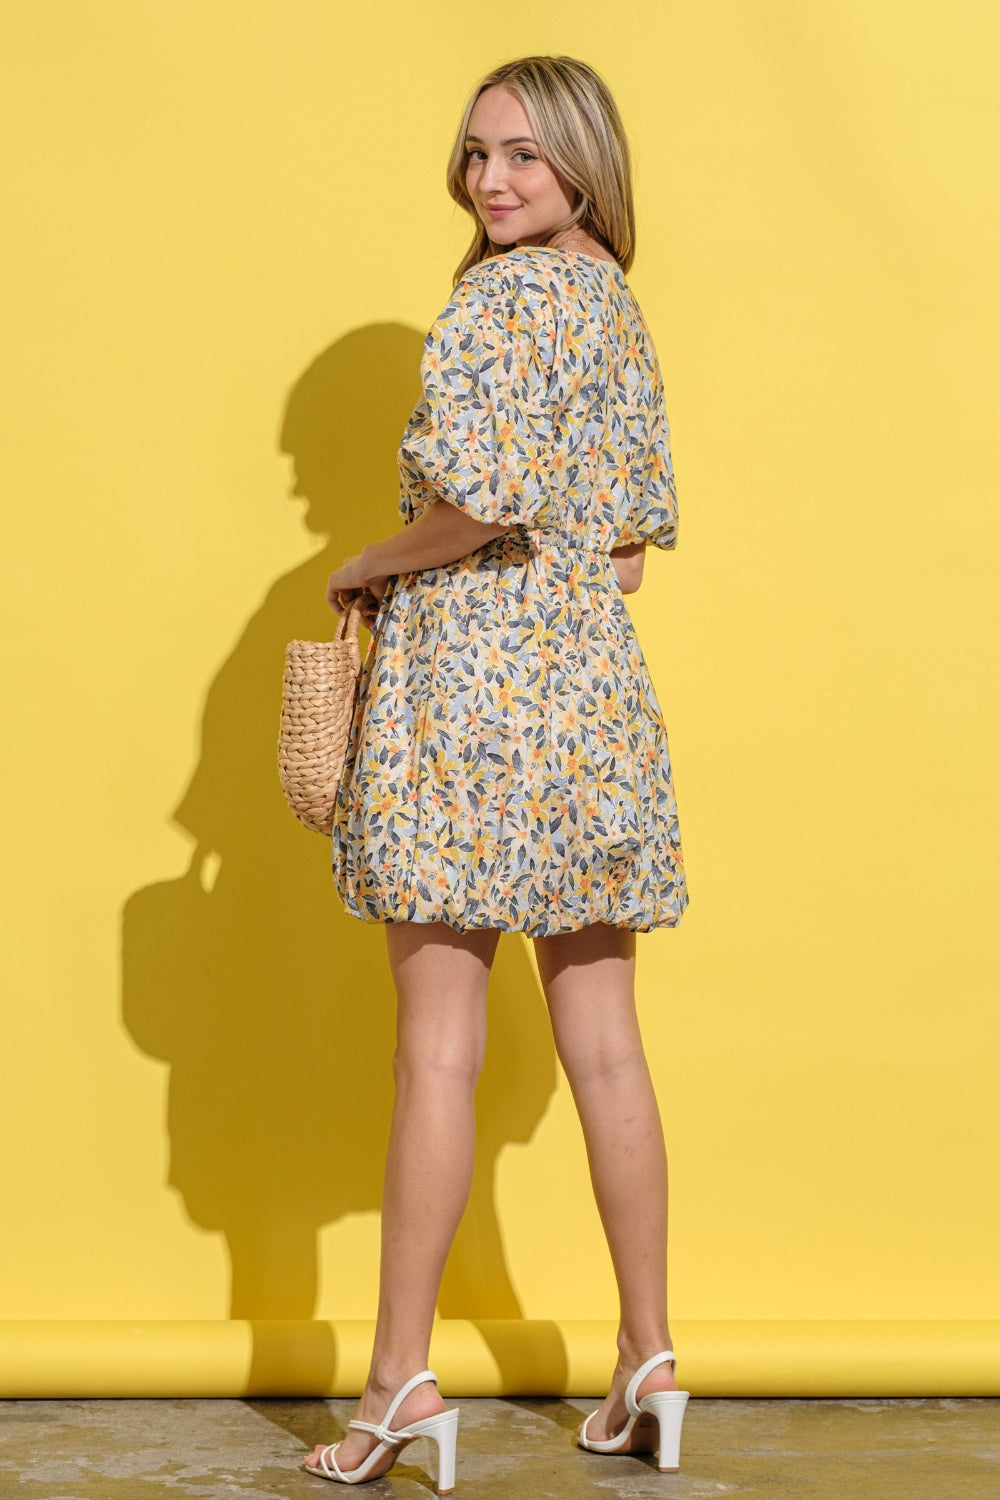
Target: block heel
x,y
442,1430
668,1409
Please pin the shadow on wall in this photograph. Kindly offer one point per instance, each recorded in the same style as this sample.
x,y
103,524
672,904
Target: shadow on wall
x,y
273,1007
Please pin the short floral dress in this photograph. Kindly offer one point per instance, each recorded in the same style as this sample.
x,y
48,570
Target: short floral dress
x,y
508,763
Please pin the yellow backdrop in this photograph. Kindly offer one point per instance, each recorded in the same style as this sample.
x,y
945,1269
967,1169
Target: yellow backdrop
x,y
228,235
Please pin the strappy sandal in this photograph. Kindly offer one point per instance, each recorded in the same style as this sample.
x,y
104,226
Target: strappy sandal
x,y
441,1429
666,1406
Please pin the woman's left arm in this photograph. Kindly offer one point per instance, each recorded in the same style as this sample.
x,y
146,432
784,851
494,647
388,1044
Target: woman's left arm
x,y
628,563
440,534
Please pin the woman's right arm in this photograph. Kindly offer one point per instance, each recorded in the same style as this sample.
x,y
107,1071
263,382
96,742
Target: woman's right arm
x,y
441,534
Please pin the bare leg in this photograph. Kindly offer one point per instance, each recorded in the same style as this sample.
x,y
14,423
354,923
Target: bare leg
x,y
589,981
441,978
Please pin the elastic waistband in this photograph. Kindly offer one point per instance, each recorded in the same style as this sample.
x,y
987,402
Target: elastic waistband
x,y
542,541
564,546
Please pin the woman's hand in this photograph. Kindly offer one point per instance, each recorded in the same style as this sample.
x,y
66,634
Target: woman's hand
x,y
351,581
344,598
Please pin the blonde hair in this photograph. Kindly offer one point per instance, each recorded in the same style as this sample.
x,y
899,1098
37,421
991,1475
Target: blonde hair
x,y
580,136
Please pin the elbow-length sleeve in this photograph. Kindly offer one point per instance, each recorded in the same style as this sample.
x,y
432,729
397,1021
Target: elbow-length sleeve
x,y
481,435
652,512
656,508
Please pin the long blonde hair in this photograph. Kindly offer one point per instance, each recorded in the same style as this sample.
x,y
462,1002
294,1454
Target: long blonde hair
x,y
581,137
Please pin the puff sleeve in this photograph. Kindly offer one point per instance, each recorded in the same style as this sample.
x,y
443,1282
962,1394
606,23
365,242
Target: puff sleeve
x,y
652,511
656,518
481,435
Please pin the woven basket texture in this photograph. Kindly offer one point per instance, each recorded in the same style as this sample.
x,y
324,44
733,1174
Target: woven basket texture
x,y
317,705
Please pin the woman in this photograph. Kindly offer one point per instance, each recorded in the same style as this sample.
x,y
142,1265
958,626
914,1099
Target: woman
x,y
508,766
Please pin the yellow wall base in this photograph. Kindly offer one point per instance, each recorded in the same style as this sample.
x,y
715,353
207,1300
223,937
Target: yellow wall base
x,y
495,1358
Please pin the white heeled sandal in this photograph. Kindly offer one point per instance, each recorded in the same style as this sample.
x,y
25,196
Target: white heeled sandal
x,y
666,1406
441,1429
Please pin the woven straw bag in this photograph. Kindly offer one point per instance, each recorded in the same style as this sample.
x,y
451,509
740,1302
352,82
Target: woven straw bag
x,y
317,705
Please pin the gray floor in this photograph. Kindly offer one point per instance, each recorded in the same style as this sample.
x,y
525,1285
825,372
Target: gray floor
x,y
776,1450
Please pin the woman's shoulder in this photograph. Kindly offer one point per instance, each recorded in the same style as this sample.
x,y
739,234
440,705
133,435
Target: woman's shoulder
x,y
511,286
495,273
538,261
540,280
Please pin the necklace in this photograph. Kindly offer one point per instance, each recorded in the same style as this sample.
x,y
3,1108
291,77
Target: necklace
x,y
572,242
583,244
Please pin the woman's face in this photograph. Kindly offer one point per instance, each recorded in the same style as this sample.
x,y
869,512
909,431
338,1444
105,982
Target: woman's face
x,y
517,195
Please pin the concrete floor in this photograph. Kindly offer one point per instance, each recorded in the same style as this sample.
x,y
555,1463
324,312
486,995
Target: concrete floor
x,y
932,1449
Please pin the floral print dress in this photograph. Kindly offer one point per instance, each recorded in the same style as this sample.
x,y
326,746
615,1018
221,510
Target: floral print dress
x,y
508,763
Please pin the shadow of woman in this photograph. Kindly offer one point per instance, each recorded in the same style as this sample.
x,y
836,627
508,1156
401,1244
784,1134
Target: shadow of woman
x,y
273,1007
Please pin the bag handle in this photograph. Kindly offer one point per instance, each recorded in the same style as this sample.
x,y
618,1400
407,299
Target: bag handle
x,y
347,625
